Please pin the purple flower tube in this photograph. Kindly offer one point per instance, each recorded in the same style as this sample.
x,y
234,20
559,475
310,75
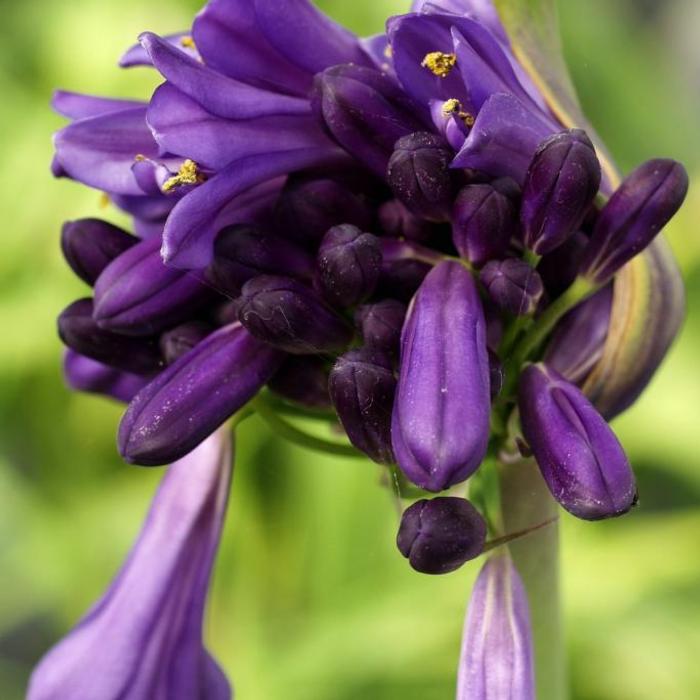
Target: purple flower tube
x,y
143,639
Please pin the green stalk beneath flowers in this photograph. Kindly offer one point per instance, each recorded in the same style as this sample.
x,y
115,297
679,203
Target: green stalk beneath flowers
x,y
526,502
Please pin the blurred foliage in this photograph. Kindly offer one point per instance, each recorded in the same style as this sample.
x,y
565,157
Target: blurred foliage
x,y
311,600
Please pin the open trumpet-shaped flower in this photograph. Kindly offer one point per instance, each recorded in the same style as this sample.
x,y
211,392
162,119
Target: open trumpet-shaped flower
x,y
143,639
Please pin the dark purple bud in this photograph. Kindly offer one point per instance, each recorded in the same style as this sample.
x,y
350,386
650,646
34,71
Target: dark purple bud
x,y
494,324
560,186
362,387
243,251
192,397
439,535
181,339
303,379
559,268
440,422
348,263
137,294
85,374
380,324
307,208
396,221
89,245
513,285
402,278
419,175
365,111
79,331
291,317
579,456
483,222
643,204
579,338
496,374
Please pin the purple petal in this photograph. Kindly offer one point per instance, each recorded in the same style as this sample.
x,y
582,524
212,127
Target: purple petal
x,y
223,24
197,218
138,56
143,639
220,95
504,138
100,151
308,38
497,652
182,126
77,106
83,374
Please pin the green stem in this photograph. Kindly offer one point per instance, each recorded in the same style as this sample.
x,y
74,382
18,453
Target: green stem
x,y
527,503
293,434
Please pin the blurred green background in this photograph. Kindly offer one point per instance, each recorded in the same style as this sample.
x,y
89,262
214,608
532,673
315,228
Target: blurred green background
x,y
311,601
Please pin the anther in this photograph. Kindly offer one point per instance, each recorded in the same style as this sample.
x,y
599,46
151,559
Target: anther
x,y
188,174
439,63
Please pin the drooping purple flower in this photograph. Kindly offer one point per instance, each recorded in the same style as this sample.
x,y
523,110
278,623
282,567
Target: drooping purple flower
x,y
560,185
440,422
193,396
645,202
579,456
439,535
143,639
497,653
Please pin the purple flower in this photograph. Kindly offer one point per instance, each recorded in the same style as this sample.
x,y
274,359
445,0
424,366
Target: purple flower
x,y
497,654
440,422
579,456
143,639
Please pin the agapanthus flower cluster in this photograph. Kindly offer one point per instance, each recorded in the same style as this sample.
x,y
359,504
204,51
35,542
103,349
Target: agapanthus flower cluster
x,y
400,232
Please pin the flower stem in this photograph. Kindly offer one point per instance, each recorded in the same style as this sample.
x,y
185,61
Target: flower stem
x,y
290,432
526,503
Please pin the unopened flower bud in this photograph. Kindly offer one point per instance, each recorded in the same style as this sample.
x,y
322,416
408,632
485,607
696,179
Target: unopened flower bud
x,y
396,221
560,186
84,374
79,331
365,111
362,387
89,245
579,338
420,177
559,268
440,421
439,535
349,263
643,204
242,252
180,340
192,397
137,294
291,317
303,379
513,285
497,659
483,222
308,207
579,456
380,324
402,278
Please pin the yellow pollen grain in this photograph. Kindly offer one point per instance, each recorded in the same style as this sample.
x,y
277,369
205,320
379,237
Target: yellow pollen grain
x,y
439,63
105,201
187,42
453,108
188,174
139,158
